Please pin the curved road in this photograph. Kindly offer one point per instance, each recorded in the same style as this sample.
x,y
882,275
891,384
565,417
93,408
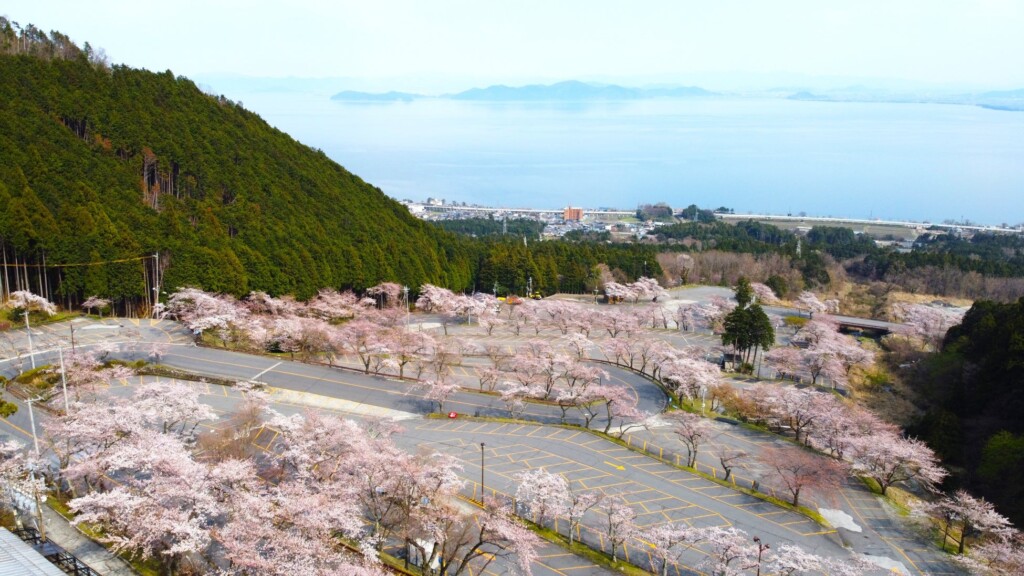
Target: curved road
x,y
658,492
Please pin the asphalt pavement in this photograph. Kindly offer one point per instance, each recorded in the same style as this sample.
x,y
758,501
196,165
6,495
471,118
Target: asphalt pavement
x,y
659,492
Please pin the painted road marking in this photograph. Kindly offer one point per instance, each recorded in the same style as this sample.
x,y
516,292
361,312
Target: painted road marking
x,y
265,371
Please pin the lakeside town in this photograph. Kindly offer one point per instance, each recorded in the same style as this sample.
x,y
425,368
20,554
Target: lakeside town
x,y
624,224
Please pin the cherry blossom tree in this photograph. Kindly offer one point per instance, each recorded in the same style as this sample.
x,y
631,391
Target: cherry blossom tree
x,y
514,395
798,408
929,322
578,344
162,504
838,426
290,528
692,430
785,360
264,304
439,391
490,321
620,404
579,504
544,494
670,541
764,294
28,302
810,302
620,523
437,300
95,303
996,557
617,322
686,317
728,458
822,361
463,542
332,305
201,311
889,459
730,553
362,338
975,516
687,376
170,406
387,294
800,470
408,346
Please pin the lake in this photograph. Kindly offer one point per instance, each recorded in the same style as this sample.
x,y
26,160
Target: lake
x,y
865,160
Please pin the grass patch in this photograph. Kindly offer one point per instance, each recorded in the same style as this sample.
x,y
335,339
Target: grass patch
x,y
598,557
168,372
795,321
898,497
498,419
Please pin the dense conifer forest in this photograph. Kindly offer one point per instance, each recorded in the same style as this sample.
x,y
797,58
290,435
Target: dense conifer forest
x,y
103,163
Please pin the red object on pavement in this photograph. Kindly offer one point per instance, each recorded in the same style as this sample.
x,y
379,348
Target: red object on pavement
x,y
453,414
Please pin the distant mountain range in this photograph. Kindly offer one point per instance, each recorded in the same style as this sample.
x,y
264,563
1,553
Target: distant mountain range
x,y
562,91
575,91
1008,100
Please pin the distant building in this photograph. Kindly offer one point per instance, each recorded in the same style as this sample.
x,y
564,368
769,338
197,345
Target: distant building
x,y
571,214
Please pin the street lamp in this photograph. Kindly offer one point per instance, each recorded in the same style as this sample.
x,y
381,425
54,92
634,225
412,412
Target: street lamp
x,y
72,327
64,380
481,473
28,330
760,550
405,290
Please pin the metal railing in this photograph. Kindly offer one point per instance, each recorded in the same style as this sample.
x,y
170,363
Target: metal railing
x,y
59,557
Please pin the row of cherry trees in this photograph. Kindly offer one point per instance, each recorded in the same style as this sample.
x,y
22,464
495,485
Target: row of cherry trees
x,y
546,496
323,499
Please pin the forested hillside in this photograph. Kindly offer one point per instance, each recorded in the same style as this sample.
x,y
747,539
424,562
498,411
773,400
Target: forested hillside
x,y
975,393
106,163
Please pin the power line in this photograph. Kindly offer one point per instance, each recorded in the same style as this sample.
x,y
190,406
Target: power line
x,y
75,264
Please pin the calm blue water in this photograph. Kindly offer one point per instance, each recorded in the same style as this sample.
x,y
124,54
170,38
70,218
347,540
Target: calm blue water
x,y
898,161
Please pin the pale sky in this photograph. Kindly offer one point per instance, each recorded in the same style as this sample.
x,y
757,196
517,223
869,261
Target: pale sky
x,y
976,43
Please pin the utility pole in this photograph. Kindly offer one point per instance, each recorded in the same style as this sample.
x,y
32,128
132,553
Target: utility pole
x,y
28,330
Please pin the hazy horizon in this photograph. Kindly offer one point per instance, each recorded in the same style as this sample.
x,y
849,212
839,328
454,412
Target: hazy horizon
x,y
960,44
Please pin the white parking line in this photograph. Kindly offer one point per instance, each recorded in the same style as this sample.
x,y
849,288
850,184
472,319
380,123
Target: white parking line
x,y
265,371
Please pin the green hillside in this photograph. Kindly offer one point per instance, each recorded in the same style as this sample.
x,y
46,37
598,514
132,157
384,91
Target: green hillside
x,y
102,163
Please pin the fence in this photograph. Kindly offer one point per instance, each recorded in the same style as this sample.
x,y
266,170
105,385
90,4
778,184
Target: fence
x,y
54,553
